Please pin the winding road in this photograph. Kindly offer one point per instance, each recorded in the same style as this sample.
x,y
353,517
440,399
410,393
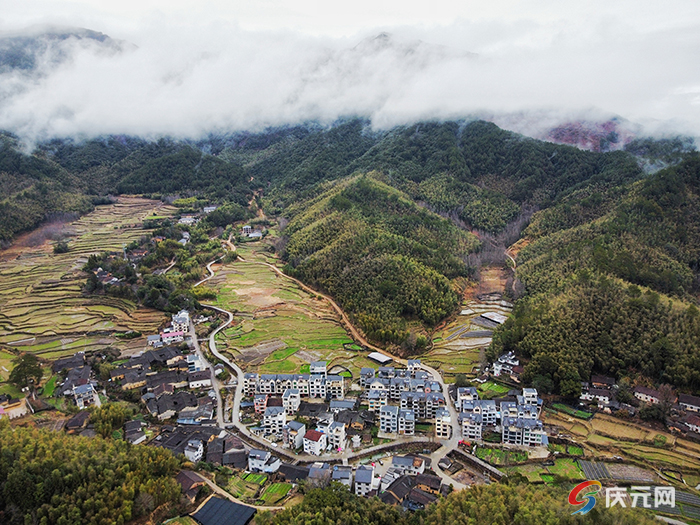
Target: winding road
x,y
447,445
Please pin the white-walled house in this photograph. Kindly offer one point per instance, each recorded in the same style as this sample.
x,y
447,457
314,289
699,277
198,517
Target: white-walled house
x,y
315,442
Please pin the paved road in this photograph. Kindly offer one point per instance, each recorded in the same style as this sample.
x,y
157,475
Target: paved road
x,y
447,445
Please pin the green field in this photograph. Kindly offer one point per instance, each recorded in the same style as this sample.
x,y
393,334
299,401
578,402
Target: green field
x,y
50,386
490,390
567,468
499,457
241,489
259,479
571,411
276,493
272,308
44,310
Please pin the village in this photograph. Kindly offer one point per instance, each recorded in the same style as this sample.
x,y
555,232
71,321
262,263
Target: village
x,y
397,430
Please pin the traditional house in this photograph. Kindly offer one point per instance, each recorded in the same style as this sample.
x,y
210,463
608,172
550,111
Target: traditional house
x,y
689,403
647,395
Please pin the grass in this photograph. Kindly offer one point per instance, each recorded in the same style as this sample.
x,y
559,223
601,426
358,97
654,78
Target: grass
x,y
557,448
572,411
183,520
50,386
659,441
10,389
279,355
575,451
532,472
567,468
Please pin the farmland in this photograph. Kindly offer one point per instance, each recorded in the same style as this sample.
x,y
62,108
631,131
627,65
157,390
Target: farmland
x,y
278,327
458,346
43,310
563,468
606,436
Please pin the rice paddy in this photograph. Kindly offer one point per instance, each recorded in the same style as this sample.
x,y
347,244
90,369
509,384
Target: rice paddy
x,y
43,309
278,327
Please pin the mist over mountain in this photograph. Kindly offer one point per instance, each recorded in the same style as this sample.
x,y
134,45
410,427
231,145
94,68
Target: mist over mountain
x,y
189,83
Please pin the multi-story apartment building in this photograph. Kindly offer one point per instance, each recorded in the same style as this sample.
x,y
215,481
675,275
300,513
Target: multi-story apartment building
x,y
335,387
389,419
317,386
443,423
377,399
291,399
407,422
274,420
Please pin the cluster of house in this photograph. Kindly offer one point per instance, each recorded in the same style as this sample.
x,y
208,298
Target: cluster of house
x,y
200,443
403,396
167,379
79,384
507,364
316,384
278,397
405,483
602,391
105,277
516,416
175,332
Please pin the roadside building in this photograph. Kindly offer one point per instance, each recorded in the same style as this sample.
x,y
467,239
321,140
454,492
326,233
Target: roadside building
x,y
315,442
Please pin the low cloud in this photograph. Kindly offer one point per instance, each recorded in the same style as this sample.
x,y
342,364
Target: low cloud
x,y
187,79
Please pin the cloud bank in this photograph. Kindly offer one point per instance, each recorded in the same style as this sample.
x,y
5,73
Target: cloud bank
x,y
187,73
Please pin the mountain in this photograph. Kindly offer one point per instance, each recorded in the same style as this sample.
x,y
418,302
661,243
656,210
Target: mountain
x,y
41,49
615,290
392,223
386,260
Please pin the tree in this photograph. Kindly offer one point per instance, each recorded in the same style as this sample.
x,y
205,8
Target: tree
x,y
60,247
27,371
461,381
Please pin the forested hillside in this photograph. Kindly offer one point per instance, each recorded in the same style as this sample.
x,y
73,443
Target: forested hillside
x,y
33,189
497,504
385,259
618,294
51,478
387,222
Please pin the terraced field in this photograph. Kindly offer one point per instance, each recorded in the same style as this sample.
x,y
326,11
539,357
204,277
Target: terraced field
x,y
606,436
42,309
458,347
278,327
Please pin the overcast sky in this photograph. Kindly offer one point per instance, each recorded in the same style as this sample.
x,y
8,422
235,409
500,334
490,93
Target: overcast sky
x,y
191,67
